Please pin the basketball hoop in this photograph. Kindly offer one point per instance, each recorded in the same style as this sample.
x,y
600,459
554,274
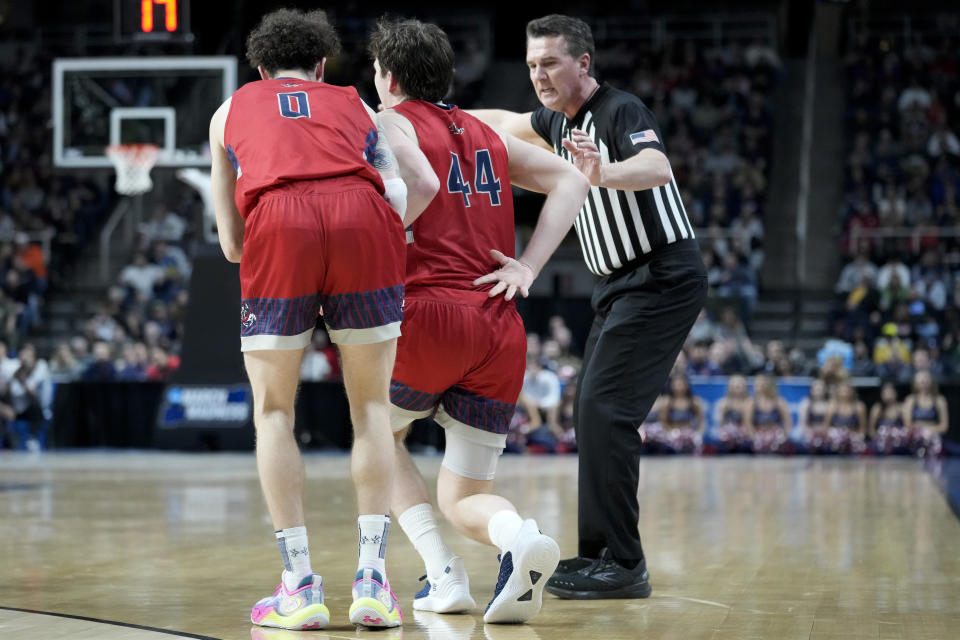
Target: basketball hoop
x,y
133,163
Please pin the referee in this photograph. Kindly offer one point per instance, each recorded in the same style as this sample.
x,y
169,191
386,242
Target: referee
x,y
637,239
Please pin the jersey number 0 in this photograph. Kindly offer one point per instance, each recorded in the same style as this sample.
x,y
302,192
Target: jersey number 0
x,y
294,104
485,180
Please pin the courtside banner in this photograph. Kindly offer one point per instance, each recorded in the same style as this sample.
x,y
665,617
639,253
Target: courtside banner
x,y
205,417
205,406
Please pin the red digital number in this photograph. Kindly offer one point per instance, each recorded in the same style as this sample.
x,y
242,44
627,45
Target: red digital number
x,y
146,14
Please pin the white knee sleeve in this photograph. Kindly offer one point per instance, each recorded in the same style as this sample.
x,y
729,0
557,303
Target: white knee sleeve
x,y
472,453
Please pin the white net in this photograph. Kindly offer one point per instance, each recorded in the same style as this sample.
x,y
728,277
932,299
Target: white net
x,y
133,163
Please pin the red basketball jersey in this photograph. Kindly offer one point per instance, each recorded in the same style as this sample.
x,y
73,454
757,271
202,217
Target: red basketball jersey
x,y
282,130
449,244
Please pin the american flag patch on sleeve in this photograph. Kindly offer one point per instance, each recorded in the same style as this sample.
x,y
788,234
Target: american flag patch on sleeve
x,y
644,136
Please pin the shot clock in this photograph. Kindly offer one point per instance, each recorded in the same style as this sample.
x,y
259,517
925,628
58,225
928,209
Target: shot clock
x,y
157,20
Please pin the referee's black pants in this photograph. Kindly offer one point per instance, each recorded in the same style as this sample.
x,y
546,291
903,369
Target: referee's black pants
x,y
642,319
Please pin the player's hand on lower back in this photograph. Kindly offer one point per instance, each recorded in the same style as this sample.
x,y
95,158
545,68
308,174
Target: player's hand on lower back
x,y
586,156
513,276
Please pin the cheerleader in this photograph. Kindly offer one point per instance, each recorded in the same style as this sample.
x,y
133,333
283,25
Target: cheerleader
x,y
682,417
925,415
887,428
846,421
813,415
770,420
732,415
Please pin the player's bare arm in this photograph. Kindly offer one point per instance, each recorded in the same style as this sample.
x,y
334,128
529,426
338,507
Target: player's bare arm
x,y
566,189
223,183
648,169
421,180
385,162
516,124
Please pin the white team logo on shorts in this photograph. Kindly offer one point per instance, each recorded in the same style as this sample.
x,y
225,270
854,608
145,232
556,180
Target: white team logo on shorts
x,y
247,319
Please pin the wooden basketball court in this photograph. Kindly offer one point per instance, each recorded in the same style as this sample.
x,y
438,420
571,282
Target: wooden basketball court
x,y
152,545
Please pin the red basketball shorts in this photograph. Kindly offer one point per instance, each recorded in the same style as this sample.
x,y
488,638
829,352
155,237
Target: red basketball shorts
x,y
331,244
462,355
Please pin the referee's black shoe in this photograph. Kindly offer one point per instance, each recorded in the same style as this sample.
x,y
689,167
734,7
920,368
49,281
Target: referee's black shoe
x,y
573,564
604,578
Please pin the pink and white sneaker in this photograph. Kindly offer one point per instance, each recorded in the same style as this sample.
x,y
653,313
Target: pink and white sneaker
x,y
374,604
301,608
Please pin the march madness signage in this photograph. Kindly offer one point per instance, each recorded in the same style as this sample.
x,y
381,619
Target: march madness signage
x,y
205,417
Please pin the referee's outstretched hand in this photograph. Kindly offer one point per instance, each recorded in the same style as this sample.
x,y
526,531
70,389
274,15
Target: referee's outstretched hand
x,y
512,276
586,156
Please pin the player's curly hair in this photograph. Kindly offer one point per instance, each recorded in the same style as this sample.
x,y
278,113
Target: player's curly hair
x,y
418,54
292,39
575,32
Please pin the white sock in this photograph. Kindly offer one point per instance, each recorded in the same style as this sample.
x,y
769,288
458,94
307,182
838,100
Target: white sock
x,y
373,531
503,528
421,528
295,552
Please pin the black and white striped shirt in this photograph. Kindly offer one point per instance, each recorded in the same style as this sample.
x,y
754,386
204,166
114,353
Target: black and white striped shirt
x,y
617,228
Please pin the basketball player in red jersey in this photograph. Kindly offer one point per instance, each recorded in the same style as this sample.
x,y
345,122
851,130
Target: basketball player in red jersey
x,y
462,353
301,180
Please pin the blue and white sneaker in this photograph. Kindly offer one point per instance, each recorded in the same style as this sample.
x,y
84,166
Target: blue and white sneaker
x,y
449,593
525,566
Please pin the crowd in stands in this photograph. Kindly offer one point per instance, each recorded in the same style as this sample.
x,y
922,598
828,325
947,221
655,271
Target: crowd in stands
x,y
714,110
35,202
898,295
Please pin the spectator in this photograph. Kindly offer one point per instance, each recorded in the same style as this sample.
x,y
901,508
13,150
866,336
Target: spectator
x,y
770,421
20,286
7,416
894,292
172,260
101,369
723,357
162,364
133,365
921,360
777,362
8,364
914,96
568,443
10,312
943,141
64,367
32,257
893,266
703,328
31,395
699,364
737,281
141,276
859,272
541,388
863,365
164,225
891,354
744,354
102,326
80,349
